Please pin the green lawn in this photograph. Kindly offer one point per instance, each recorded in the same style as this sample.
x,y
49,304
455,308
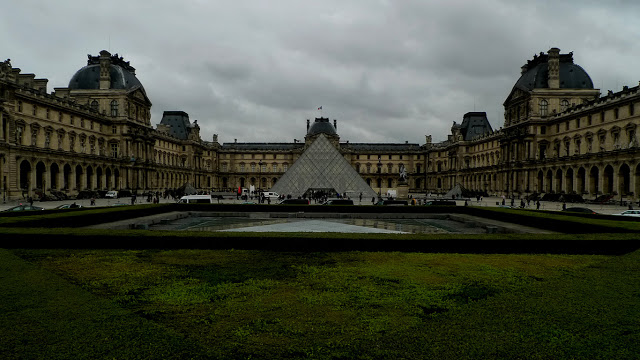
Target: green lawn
x,y
351,305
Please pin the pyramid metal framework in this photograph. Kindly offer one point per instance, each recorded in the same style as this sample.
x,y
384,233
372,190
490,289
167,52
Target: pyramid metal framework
x,y
322,166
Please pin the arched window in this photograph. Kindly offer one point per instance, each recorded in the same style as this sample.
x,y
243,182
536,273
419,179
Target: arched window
x,y
564,104
114,108
544,107
94,105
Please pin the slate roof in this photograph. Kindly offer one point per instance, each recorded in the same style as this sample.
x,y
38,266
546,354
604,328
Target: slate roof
x,y
474,124
536,74
178,122
88,78
261,146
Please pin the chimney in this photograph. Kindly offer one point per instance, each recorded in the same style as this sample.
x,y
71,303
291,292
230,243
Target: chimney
x,y
105,67
308,121
335,124
554,68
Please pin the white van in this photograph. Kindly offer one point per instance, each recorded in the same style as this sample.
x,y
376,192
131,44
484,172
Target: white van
x,y
270,194
195,199
111,194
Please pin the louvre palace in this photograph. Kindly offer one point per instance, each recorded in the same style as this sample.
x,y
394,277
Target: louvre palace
x,y
560,135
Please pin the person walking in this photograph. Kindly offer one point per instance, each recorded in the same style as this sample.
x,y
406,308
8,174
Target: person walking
x,y
538,205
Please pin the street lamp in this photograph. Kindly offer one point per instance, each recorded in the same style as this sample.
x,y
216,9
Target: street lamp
x,y
260,178
379,177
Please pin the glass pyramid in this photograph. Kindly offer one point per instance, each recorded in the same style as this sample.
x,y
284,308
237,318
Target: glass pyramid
x,y
322,167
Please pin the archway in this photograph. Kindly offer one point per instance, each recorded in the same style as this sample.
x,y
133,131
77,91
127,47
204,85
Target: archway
x,y
99,178
89,178
581,180
559,181
568,180
107,173
624,179
594,178
79,173
116,179
549,181
540,184
25,175
66,176
54,170
40,171
607,180
637,189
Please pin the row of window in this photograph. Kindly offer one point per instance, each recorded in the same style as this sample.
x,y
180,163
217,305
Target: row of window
x,y
263,168
83,140
382,157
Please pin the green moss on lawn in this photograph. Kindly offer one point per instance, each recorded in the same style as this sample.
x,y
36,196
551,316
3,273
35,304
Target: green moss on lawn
x,y
241,304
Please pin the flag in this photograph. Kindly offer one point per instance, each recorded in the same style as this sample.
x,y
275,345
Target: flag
x,y
320,108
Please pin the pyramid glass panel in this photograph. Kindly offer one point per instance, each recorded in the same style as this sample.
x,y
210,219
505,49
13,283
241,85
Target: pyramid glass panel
x,y
322,166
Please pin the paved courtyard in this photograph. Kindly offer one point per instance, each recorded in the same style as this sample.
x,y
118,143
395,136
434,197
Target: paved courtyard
x,y
488,201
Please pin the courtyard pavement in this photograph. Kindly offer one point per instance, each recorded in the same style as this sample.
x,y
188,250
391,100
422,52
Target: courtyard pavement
x,y
487,201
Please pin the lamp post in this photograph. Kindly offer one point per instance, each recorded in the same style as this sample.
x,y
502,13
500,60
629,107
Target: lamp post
x,y
260,178
379,178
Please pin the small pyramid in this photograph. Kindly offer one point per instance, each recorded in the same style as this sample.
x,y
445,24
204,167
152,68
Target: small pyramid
x,y
322,166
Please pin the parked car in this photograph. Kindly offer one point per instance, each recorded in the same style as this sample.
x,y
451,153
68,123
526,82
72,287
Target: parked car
x,y
294,202
68,206
580,210
124,193
338,202
634,213
23,208
111,194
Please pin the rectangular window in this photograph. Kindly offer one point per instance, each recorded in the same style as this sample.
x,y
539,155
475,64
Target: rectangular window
x,y
114,150
253,167
577,123
632,109
224,167
241,167
285,167
71,119
275,168
114,129
543,130
264,168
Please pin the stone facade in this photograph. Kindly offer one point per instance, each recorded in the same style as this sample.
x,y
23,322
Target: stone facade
x,y
559,135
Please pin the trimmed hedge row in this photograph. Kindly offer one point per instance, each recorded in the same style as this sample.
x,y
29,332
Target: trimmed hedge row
x,y
312,242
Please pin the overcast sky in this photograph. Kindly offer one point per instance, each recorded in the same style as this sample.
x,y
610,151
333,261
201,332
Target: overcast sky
x,y
388,71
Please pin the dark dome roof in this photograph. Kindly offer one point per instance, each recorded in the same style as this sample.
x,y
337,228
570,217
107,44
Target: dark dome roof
x,y
123,75
89,78
536,74
322,126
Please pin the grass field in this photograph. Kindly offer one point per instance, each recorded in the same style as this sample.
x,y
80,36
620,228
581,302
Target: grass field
x,y
61,304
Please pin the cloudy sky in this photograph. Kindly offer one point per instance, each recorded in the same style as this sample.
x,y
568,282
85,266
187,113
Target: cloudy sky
x,y
387,70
